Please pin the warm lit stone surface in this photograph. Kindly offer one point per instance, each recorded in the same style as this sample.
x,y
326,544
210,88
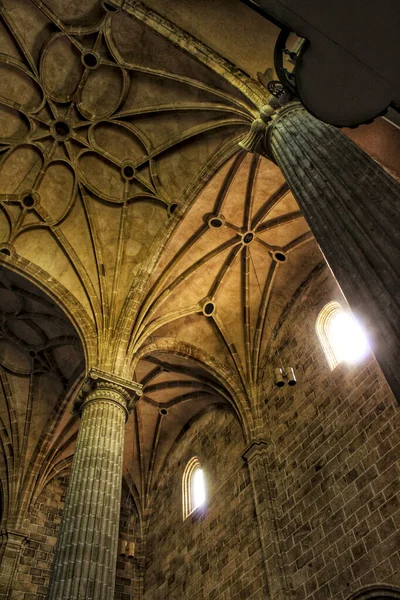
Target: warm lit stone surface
x,y
138,238
215,553
336,462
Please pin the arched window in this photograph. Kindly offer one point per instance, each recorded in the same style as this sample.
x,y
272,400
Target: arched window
x,y
193,487
377,591
341,336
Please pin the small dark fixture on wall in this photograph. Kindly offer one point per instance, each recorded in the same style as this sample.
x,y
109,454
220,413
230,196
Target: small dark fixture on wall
x,y
284,375
127,549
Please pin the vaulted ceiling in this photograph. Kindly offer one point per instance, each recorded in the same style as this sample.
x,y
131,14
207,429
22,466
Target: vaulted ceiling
x,y
125,196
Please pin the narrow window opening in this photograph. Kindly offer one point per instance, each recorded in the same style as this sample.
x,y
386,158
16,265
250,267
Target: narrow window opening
x,y
341,336
193,487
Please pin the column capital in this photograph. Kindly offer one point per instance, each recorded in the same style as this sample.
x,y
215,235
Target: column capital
x,y
257,447
255,141
100,385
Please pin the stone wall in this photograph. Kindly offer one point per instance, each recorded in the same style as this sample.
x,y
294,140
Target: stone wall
x,y
214,553
33,573
128,584
336,447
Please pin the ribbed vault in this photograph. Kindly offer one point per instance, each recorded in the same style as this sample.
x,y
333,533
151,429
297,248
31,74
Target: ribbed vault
x,y
123,192
229,270
41,358
106,129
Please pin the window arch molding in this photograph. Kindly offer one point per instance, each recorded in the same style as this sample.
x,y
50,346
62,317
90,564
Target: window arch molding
x,y
341,335
376,592
189,501
322,327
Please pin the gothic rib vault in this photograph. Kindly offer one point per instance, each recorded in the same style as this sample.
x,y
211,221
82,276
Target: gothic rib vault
x,y
119,144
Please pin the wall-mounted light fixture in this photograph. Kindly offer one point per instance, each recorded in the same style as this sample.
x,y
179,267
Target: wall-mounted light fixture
x,y
127,548
284,375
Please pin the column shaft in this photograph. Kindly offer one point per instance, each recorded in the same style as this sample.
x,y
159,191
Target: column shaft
x,y
85,561
353,209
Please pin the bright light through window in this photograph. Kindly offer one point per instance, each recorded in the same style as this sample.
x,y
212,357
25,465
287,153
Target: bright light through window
x,y
347,338
198,489
341,336
193,487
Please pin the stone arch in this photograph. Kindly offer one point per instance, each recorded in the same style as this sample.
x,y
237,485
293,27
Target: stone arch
x,y
42,359
218,370
61,296
377,592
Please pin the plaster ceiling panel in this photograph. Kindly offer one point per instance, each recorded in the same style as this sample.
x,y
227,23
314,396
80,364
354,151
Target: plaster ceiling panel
x,y
14,391
7,43
76,232
61,83
44,248
282,235
18,88
101,95
173,425
119,140
267,180
80,12
57,190
165,393
5,228
142,220
147,418
12,127
192,285
14,358
232,206
19,169
180,168
141,47
26,330
148,86
287,204
193,224
144,370
199,331
290,275
232,29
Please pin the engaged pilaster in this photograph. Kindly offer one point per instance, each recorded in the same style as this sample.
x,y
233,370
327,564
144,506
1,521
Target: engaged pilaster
x,y
12,544
85,561
256,457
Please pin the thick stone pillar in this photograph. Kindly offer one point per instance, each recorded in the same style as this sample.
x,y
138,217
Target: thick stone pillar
x,y
256,456
12,544
353,209
86,554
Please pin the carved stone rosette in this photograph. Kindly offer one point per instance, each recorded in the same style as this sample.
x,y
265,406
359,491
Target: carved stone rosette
x,y
85,561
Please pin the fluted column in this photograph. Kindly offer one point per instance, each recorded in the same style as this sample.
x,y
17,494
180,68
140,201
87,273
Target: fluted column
x,y
353,209
85,560
256,456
